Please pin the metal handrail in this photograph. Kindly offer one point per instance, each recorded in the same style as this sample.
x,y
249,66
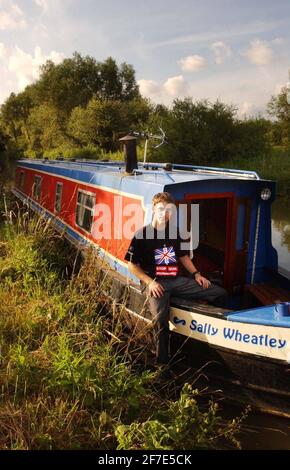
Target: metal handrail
x,y
208,169
159,166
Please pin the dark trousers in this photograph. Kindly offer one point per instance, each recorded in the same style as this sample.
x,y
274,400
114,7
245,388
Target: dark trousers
x,y
186,288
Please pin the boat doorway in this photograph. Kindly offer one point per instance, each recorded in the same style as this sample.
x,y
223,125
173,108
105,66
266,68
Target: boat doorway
x,y
221,254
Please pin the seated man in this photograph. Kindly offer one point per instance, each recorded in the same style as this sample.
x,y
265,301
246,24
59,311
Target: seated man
x,y
153,258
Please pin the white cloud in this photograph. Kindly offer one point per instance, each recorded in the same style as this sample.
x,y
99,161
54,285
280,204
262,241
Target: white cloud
x,y
173,87
24,67
43,4
278,41
176,86
2,50
246,108
11,16
248,88
149,87
278,88
221,52
192,63
259,53
7,86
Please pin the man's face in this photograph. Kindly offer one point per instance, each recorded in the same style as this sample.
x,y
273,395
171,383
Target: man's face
x,y
162,212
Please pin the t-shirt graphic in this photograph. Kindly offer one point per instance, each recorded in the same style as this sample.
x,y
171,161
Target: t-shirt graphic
x,y
165,262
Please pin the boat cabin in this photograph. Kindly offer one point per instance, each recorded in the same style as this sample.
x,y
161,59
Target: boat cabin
x,y
231,220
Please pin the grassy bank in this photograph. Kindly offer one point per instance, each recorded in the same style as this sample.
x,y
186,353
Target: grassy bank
x,y
70,378
275,166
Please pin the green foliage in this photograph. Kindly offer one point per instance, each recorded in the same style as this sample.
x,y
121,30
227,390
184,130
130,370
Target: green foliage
x,y
81,107
102,122
3,139
47,128
251,139
206,133
98,124
36,120
267,165
181,426
279,109
76,80
67,369
14,116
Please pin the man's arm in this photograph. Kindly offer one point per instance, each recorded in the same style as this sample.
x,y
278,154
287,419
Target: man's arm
x,y
154,287
189,266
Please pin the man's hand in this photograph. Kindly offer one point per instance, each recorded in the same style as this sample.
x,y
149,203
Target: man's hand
x,y
202,281
155,289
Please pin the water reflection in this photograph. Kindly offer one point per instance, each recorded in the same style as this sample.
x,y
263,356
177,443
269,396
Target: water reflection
x,y
281,231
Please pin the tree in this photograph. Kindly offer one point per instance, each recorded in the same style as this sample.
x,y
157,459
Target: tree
x,y
102,122
47,129
14,114
197,132
129,87
3,139
77,80
37,119
279,108
207,133
97,124
251,138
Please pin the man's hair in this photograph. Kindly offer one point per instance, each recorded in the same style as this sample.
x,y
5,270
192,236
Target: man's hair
x,y
163,197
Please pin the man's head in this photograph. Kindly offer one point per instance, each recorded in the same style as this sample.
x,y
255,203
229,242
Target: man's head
x,y
162,205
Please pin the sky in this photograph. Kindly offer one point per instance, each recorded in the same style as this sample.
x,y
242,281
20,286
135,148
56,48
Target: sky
x,y
236,51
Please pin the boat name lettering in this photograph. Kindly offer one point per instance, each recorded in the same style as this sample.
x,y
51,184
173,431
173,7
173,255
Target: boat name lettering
x,y
260,340
233,334
205,328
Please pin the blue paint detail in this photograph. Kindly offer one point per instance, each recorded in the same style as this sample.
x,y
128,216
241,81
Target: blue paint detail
x,y
179,321
260,316
106,178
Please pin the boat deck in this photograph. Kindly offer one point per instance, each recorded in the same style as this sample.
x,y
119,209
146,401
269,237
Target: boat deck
x,y
148,172
261,316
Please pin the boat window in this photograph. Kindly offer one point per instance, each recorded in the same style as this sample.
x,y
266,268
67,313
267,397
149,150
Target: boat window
x,y
21,179
85,210
58,197
36,188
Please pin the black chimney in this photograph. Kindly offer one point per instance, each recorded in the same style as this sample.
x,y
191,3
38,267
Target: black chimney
x,y
130,153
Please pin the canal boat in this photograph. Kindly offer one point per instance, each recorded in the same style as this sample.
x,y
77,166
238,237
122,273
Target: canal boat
x,y
246,346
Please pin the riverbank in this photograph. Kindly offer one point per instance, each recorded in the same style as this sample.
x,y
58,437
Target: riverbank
x,y
71,378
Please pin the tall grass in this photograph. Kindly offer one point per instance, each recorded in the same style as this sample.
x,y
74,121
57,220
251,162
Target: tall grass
x,y
70,376
274,166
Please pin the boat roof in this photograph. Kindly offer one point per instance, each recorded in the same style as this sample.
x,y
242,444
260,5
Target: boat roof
x,y
146,172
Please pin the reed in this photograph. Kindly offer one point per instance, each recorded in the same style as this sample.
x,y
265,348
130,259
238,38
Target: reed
x,y
71,377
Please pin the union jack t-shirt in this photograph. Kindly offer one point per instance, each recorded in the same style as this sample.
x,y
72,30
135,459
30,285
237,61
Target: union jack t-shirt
x,y
165,262
157,256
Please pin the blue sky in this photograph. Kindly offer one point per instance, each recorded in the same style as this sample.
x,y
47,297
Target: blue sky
x,y
233,50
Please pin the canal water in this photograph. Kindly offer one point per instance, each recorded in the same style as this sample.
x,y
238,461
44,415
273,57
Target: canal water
x,y
262,431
